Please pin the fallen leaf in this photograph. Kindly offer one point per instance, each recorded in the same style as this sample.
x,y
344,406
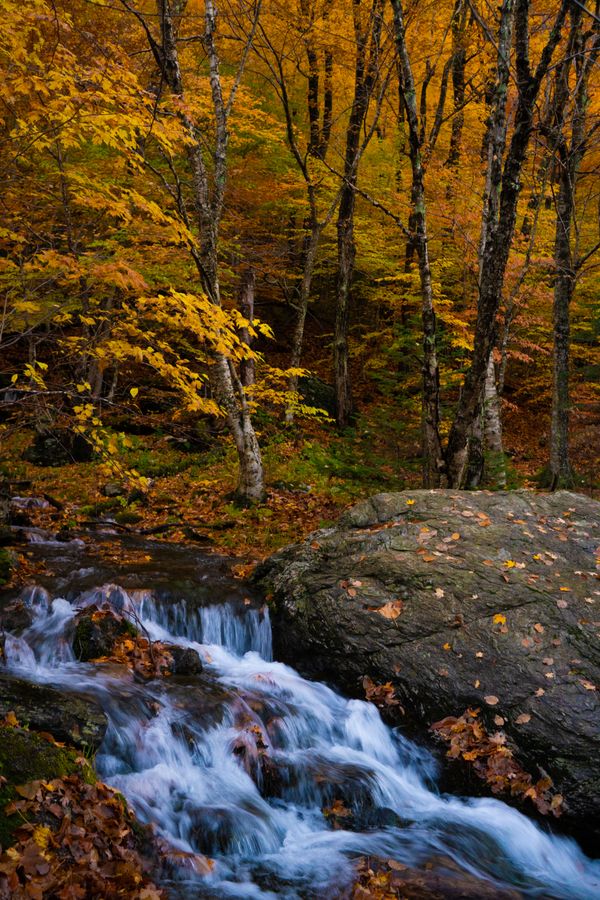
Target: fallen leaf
x,y
499,721
539,628
587,684
391,610
523,719
562,604
491,700
540,692
455,536
499,619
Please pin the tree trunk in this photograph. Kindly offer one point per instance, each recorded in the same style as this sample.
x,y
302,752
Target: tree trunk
x,y
365,74
346,255
209,192
570,153
247,291
433,460
499,234
308,268
495,463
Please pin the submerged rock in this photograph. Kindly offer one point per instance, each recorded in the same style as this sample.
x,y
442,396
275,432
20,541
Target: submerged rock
x,y
67,717
459,600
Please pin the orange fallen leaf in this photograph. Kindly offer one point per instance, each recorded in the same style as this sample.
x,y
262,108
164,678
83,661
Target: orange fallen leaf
x,y
391,610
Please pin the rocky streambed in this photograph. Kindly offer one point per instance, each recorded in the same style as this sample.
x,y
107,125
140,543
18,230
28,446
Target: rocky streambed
x,y
154,666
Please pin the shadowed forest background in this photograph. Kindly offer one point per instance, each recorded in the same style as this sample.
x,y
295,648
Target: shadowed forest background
x,y
291,253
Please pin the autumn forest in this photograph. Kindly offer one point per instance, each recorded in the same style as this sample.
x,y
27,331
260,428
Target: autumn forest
x,y
319,271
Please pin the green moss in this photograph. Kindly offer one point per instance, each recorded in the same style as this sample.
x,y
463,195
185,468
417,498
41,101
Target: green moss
x,y
24,757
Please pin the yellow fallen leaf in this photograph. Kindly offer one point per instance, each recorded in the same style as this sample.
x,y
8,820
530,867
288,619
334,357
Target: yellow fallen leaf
x,y
499,619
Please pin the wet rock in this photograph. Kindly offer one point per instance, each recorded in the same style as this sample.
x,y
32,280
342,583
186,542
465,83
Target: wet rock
x,y
15,617
438,879
186,660
459,600
67,717
96,632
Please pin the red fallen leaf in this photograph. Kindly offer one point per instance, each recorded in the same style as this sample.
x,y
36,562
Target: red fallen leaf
x,y
315,545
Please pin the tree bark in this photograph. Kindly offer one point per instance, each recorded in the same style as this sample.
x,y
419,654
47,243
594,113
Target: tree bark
x,y
208,192
569,153
433,459
365,74
500,232
247,292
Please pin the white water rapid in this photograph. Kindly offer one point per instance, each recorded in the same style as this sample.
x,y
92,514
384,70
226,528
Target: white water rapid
x,y
184,753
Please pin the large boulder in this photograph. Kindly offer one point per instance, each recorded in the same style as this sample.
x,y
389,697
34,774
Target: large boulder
x,y
459,600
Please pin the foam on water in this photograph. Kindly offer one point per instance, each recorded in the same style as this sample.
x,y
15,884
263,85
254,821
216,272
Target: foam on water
x,y
200,779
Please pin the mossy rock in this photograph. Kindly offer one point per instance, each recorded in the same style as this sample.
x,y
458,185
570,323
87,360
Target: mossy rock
x,y
75,720
7,564
96,637
25,757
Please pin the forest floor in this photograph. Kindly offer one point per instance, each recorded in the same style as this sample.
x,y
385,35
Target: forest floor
x,y
312,474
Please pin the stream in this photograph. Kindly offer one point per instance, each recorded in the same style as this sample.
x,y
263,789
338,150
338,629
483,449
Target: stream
x,y
238,763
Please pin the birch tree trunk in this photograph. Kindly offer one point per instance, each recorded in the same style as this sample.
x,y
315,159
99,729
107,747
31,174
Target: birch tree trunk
x,y
208,195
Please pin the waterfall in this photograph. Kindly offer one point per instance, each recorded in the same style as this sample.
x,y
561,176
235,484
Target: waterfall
x,y
242,762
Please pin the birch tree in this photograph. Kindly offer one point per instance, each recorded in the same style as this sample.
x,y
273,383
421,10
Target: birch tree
x,y
207,158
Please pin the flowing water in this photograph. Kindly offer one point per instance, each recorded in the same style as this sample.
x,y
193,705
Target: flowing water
x,y
240,762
